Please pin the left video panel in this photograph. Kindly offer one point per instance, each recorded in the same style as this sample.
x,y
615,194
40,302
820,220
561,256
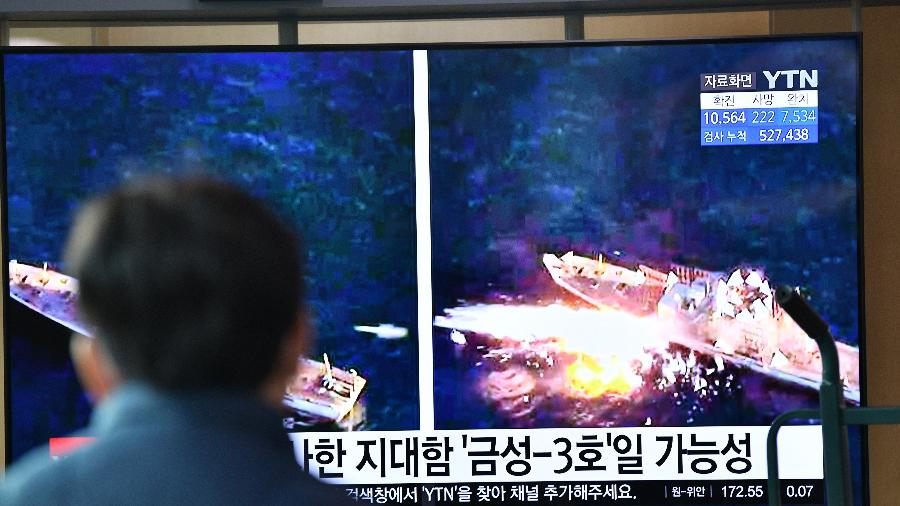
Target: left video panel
x,y
326,138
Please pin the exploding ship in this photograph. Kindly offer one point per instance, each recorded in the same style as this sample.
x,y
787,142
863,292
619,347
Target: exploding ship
x,y
733,316
319,395
619,344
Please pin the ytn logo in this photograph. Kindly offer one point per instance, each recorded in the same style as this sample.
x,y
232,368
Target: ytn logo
x,y
806,79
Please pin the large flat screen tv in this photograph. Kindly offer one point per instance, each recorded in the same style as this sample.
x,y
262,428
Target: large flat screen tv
x,y
538,272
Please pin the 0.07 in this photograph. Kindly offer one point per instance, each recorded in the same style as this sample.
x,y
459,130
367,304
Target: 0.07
x,y
799,491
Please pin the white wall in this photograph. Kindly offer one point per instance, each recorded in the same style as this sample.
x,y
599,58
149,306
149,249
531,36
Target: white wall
x,y
456,30
706,24
61,36
196,35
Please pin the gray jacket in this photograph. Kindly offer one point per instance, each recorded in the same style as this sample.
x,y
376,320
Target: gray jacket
x,y
160,448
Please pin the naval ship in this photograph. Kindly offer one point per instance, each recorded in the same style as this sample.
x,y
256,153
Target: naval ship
x,y
320,394
729,315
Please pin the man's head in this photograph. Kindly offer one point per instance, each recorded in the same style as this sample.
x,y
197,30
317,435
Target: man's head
x,y
189,284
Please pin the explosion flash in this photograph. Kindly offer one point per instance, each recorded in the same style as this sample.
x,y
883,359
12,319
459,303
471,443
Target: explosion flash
x,y
612,346
591,379
575,330
590,366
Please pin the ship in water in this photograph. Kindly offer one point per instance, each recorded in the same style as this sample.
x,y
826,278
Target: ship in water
x,y
319,396
731,315
322,395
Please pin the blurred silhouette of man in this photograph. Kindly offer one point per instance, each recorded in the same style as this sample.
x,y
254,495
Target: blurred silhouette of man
x,y
194,292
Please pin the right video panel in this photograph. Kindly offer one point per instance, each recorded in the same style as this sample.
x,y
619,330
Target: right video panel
x,y
609,224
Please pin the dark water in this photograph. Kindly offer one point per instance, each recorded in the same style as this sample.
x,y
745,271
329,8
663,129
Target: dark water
x,y
596,150
49,402
325,138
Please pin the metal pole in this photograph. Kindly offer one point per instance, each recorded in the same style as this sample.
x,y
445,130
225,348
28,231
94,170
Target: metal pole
x,y
574,24
4,32
287,32
831,397
99,36
856,15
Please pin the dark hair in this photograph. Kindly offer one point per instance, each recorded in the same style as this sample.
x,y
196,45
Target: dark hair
x,y
187,282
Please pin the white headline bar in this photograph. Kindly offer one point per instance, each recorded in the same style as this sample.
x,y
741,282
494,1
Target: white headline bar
x,y
534,455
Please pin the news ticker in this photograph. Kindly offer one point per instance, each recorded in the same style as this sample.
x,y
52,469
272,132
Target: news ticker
x,y
638,493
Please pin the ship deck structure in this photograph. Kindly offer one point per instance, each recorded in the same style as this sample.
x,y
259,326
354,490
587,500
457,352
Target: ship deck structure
x,y
319,393
729,315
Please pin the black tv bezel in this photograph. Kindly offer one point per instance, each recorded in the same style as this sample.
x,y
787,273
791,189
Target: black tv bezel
x,y
853,36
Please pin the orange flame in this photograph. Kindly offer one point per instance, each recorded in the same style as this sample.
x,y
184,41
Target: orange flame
x,y
588,378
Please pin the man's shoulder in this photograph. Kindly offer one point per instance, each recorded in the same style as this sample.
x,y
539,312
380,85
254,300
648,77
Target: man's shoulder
x,y
38,480
150,470
156,447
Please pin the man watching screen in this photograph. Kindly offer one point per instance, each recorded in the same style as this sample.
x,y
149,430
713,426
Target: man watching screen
x,y
194,292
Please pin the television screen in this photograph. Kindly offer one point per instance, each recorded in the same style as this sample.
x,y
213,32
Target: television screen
x,y
326,138
608,226
538,272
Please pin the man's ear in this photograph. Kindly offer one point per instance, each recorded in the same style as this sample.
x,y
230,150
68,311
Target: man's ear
x,y
294,345
301,336
95,371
